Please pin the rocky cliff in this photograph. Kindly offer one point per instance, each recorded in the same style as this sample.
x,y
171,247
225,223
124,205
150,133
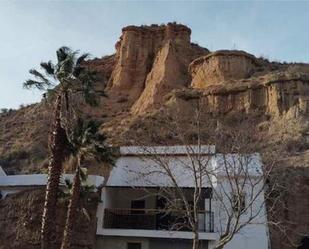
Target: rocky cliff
x,y
238,81
157,74
151,61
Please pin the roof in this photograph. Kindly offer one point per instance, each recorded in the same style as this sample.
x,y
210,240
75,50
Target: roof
x,y
167,150
41,180
144,170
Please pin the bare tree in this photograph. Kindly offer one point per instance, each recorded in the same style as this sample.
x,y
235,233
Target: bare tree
x,y
230,187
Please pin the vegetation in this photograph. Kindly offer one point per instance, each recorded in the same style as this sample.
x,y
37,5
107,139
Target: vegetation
x,y
85,142
60,82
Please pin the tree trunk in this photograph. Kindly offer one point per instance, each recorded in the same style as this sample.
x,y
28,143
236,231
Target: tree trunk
x,y
219,247
72,209
196,242
57,145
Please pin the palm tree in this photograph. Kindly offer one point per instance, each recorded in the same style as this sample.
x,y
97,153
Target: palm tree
x,y
85,142
60,81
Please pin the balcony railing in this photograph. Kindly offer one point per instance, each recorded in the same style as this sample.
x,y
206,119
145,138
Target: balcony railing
x,y
154,219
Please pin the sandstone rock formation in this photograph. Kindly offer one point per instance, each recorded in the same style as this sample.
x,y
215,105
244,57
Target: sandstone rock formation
x,y
136,51
169,72
151,61
220,66
275,95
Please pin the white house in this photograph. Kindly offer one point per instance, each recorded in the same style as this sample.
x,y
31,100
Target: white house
x,y
130,215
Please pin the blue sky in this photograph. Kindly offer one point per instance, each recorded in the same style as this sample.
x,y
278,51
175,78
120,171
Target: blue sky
x,y
31,31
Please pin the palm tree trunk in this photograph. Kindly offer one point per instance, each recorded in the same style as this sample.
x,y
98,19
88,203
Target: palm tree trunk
x,y
72,209
58,144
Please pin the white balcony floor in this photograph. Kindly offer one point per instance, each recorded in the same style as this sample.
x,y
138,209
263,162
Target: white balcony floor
x,y
154,233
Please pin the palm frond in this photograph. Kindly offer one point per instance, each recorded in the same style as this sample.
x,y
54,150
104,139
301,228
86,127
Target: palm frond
x,y
78,65
65,69
77,71
62,53
40,77
70,72
48,67
105,154
34,84
82,58
90,143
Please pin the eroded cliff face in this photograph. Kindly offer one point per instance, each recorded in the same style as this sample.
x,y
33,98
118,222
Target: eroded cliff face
x,y
136,51
152,61
235,81
220,66
286,95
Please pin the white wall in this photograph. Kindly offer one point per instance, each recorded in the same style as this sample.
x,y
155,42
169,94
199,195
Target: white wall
x,y
142,171
253,235
114,242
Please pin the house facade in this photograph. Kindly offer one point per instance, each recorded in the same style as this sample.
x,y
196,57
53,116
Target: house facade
x,y
133,212
132,205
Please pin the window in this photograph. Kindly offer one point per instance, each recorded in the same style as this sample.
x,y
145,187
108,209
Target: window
x,y
304,243
238,202
134,245
138,204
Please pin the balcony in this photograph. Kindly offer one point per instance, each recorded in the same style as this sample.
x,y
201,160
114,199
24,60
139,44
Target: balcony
x,y
154,219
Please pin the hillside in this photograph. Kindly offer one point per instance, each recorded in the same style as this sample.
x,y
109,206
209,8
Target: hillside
x,y
156,75
20,219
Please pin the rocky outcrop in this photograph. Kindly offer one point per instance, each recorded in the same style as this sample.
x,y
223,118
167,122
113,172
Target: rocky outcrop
x,y
275,95
151,61
169,72
235,81
220,66
103,68
136,51
285,96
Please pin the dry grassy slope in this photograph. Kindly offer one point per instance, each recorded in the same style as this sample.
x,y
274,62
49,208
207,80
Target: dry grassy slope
x,y
20,220
23,139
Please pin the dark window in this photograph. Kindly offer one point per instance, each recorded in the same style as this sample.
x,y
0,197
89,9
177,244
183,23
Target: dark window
x,y
238,202
134,245
138,204
304,243
161,203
